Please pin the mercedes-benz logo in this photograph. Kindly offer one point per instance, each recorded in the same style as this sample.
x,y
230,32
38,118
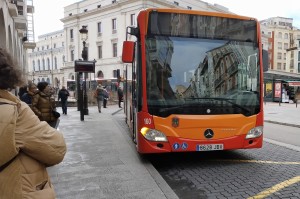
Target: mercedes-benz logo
x,y
208,133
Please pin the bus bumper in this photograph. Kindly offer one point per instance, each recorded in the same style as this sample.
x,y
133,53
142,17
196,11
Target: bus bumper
x,y
176,144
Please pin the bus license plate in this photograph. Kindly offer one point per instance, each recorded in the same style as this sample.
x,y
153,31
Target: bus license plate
x,y
209,147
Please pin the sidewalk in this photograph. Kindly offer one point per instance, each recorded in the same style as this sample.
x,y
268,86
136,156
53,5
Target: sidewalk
x,y
285,113
101,161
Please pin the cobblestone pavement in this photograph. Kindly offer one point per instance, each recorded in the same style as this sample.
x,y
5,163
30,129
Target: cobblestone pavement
x,y
270,172
232,174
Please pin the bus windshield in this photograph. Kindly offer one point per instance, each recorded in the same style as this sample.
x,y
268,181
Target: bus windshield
x,y
201,76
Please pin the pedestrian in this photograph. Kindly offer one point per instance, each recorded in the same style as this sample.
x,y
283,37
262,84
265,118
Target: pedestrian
x,y
105,97
63,95
120,96
99,96
43,104
22,91
28,146
31,91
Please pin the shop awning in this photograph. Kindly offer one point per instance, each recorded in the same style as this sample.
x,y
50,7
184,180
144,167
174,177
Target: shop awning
x,y
293,83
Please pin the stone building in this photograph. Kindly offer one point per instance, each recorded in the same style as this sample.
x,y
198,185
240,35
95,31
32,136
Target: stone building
x,y
106,21
16,29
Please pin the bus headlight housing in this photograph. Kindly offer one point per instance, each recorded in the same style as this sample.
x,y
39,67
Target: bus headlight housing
x,y
153,135
255,132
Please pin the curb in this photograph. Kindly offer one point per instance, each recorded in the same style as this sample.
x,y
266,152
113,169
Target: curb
x,y
289,146
282,123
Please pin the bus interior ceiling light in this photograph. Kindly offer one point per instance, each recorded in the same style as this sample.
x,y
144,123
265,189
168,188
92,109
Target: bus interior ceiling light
x,y
153,135
255,132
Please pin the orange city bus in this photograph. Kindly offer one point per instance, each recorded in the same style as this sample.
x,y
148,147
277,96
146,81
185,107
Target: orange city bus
x,y
194,82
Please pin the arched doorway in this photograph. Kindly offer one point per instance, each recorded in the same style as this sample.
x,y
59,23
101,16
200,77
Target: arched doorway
x,y
100,75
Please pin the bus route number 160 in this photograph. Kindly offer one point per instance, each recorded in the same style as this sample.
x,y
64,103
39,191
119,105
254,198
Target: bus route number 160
x,y
147,121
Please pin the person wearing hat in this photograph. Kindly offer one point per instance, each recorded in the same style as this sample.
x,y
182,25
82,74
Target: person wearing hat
x,y
100,96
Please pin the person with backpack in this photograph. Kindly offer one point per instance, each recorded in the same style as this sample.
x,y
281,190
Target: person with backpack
x,y
28,146
100,94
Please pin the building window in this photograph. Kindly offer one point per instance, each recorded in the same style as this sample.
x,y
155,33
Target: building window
x,y
114,25
285,46
291,64
99,27
99,52
132,19
280,35
55,62
114,1
33,65
298,67
279,55
54,45
100,74
43,64
279,45
286,36
115,50
71,35
284,66
48,63
279,66
189,7
39,65
115,73
63,58
72,55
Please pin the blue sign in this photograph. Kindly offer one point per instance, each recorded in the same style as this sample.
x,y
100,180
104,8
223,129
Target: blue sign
x,y
184,146
176,146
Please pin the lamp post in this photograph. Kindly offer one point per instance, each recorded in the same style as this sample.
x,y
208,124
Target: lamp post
x,y
83,33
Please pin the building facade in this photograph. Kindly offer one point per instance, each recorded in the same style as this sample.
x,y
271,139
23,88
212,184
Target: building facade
x,y
283,44
282,40
16,29
106,20
47,59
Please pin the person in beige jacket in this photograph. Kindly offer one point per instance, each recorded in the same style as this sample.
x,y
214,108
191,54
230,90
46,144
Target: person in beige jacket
x,y
27,145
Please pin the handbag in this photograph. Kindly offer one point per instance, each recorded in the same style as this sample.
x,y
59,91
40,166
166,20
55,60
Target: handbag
x,y
55,114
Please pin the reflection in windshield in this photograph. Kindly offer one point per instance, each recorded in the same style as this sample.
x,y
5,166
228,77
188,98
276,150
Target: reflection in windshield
x,y
182,70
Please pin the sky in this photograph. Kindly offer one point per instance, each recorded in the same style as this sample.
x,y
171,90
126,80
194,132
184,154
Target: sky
x,y
49,12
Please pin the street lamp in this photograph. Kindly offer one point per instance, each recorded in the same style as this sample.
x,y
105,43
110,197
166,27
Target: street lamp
x,y
84,33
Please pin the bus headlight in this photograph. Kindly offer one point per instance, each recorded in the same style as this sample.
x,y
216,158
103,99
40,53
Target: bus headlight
x,y
255,132
153,135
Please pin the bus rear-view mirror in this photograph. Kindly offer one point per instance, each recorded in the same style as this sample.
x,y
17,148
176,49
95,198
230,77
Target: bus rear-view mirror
x,y
128,51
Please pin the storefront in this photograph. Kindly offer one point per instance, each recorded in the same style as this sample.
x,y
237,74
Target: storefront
x,y
281,86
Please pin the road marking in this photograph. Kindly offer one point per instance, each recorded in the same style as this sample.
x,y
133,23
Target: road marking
x,y
257,161
276,188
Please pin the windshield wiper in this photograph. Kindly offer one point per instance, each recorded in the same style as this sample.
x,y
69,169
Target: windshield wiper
x,y
222,99
164,109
